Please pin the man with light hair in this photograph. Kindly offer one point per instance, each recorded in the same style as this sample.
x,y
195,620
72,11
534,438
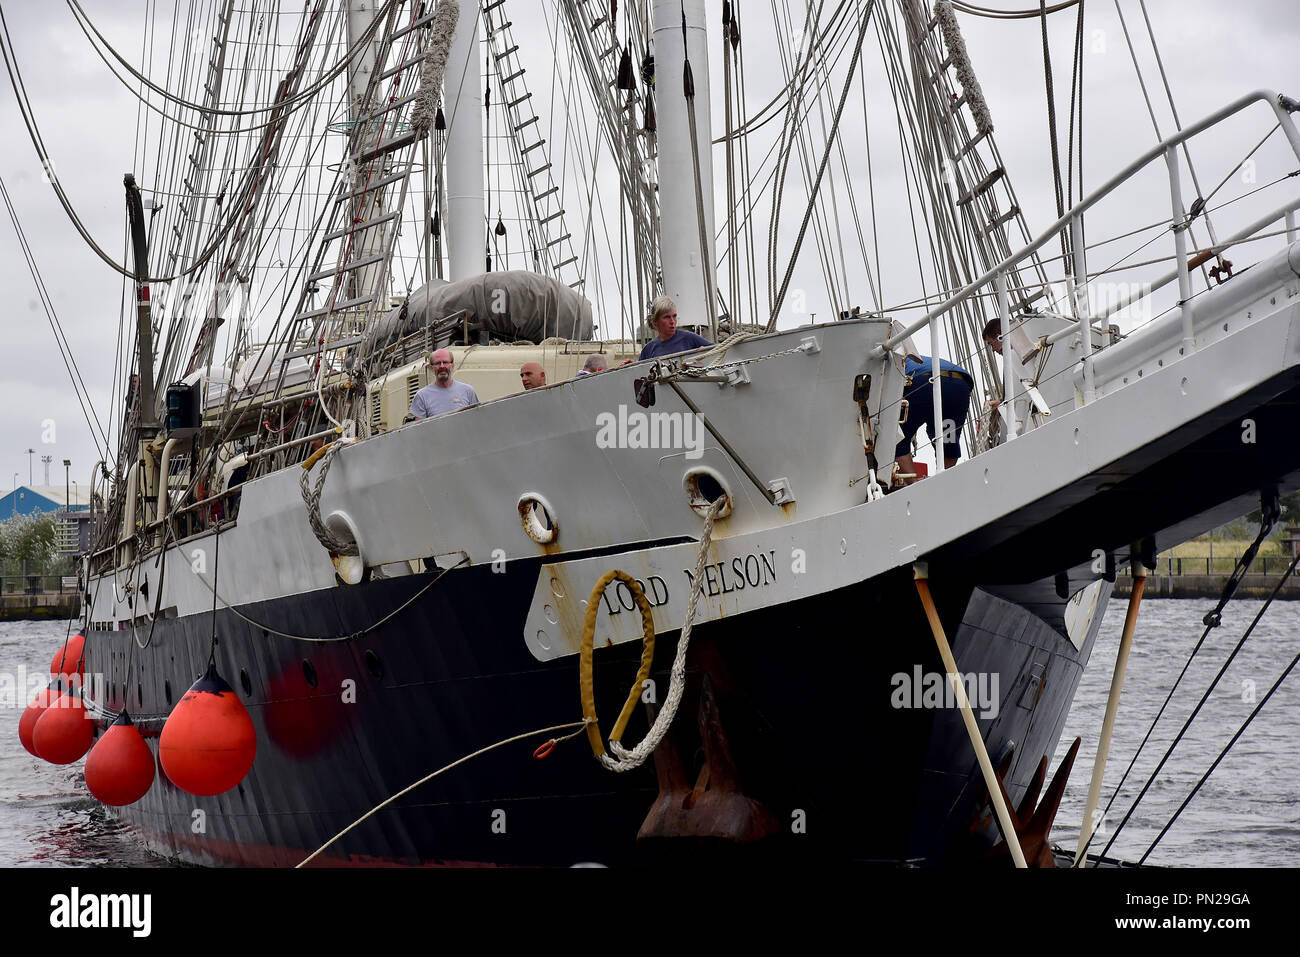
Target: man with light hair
x,y
596,362
443,394
671,340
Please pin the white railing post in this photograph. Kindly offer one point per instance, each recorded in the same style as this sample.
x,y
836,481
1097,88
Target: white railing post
x,y
936,391
1081,306
1008,373
1179,221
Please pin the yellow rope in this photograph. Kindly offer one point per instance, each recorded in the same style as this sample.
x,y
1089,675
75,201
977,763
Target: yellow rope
x,y
587,678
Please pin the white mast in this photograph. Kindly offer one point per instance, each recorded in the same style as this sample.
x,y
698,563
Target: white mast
x,y
462,101
679,241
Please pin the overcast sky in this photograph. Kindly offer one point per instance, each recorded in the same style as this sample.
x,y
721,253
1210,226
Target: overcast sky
x,y
1213,52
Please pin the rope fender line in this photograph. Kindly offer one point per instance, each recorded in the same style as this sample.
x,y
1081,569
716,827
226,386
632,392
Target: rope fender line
x,y
311,498
586,670
624,760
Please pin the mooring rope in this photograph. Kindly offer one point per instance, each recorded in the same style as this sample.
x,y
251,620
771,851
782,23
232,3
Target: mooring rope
x,y
429,777
311,498
623,759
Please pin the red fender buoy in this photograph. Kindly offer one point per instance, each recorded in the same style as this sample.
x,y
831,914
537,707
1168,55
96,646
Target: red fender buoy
x,y
27,724
67,660
64,732
119,768
208,743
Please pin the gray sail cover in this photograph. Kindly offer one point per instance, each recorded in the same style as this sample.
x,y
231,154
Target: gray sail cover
x,y
512,304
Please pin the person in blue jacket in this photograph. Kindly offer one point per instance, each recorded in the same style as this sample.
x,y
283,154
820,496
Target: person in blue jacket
x,y
955,384
663,319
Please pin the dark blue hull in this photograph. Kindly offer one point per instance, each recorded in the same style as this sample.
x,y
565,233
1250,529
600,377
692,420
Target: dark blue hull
x,y
805,693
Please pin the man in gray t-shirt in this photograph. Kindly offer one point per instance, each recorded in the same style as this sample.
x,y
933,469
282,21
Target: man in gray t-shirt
x,y
443,394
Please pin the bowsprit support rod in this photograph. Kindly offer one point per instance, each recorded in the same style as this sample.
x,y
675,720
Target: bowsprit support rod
x,y
921,572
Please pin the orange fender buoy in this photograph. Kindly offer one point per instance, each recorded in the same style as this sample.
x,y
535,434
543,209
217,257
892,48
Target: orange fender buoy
x,y
68,659
119,769
208,743
64,732
27,724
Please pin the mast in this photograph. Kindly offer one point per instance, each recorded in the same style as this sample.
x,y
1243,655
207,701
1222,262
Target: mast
x,y
463,106
143,321
688,258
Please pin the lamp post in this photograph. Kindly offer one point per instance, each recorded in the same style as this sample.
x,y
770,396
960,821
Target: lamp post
x,y
67,465
30,453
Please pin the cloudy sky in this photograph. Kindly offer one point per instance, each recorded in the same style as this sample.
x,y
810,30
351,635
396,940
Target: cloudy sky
x,y
1213,52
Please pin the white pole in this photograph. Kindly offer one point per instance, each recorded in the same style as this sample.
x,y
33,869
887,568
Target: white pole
x,y
921,574
1008,373
679,244
462,100
1112,708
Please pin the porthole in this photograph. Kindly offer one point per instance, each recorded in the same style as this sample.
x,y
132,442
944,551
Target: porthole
x,y
245,683
309,673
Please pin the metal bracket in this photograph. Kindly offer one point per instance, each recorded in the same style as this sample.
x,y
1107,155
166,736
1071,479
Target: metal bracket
x,y
782,494
737,375
809,345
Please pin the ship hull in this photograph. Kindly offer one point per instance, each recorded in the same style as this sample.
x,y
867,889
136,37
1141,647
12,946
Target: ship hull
x,y
845,757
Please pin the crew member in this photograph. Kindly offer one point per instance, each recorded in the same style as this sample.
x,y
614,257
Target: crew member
x,y
532,375
443,394
955,385
671,340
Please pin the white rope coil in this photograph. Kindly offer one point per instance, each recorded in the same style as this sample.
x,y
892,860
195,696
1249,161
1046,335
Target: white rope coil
x,y
623,759
311,498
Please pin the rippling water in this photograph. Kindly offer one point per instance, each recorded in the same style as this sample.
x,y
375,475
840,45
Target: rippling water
x,y
1248,813
47,817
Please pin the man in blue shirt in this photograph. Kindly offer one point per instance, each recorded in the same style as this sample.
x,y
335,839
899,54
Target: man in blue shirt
x,y
443,394
955,385
663,319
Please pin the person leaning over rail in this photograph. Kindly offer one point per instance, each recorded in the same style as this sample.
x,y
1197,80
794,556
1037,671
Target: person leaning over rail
x,y
443,394
955,385
671,340
596,362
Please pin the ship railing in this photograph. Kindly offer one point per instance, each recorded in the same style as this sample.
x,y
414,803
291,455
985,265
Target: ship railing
x,y
1083,325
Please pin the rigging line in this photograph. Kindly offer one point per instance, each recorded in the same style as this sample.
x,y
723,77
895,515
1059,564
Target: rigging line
x,y
1076,98
1240,731
887,53
216,131
835,123
786,147
60,338
84,21
1211,622
992,14
821,228
746,128
1178,125
1051,129
34,133
1276,127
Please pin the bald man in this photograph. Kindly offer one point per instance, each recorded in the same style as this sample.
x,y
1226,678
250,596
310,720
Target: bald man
x,y
532,375
443,394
